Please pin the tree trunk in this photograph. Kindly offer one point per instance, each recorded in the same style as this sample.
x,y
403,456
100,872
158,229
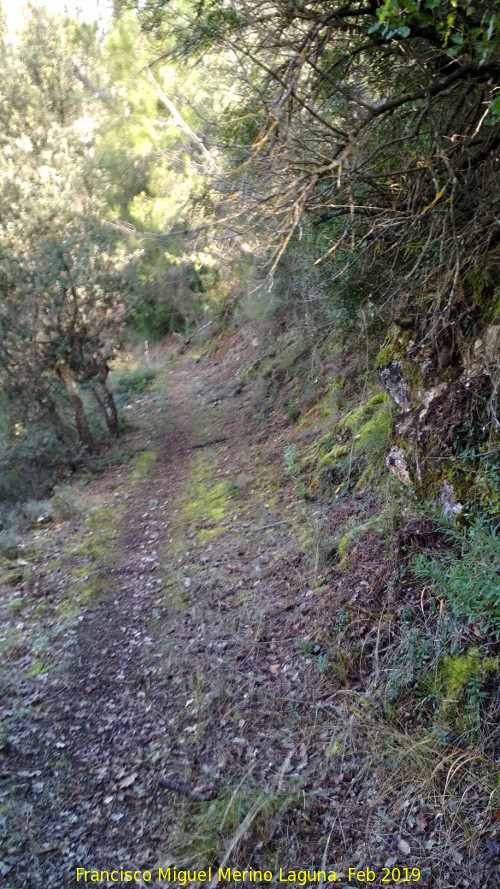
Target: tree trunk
x,y
100,405
110,403
82,427
61,432
107,406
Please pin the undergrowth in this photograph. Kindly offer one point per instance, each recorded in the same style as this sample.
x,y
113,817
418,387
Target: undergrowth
x,y
133,382
469,577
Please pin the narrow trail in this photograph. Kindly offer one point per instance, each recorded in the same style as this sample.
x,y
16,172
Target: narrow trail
x,y
94,738
183,678
176,690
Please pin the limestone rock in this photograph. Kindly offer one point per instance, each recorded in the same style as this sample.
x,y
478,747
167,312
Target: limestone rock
x,y
391,379
449,507
396,463
487,349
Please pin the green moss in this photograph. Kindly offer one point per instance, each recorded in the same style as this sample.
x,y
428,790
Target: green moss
x,y
378,398
14,605
470,484
321,410
368,430
481,288
457,670
82,565
11,640
78,550
376,525
456,674
372,441
174,594
207,503
343,548
394,347
204,505
334,455
354,420
37,668
88,580
10,573
385,356
252,370
143,464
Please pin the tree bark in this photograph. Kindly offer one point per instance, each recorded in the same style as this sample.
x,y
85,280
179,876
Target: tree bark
x,y
112,412
107,406
82,427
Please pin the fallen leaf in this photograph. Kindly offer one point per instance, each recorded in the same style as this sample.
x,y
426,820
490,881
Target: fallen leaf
x,y
128,781
492,848
421,824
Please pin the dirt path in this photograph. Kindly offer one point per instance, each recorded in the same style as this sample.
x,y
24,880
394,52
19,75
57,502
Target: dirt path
x,y
86,755
176,684
186,707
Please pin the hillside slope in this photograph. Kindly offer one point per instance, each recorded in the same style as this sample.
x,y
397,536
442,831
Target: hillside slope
x,y
190,677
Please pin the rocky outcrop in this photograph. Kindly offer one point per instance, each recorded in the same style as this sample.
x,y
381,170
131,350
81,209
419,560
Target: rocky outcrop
x,y
396,463
391,378
450,509
445,409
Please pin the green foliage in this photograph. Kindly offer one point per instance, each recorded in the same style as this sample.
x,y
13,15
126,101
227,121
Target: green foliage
x,y
31,459
154,319
71,160
292,412
86,477
133,382
9,543
465,31
62,274
432,675
469,580
376,86
305,647
64,502
205,834
359,416
457,671
486,491
363,436
291,459
458,25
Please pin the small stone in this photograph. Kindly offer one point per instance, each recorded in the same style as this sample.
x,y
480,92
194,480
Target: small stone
x,y
396,463
404,847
